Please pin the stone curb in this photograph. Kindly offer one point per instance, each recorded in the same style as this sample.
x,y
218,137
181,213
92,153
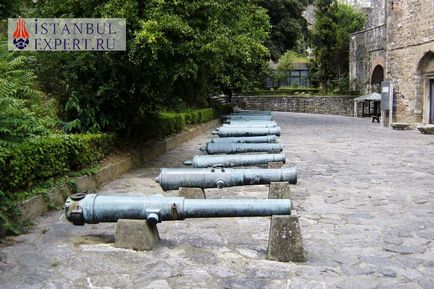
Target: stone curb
x,y
36,206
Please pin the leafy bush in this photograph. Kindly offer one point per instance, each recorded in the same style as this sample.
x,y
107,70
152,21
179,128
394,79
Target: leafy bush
x,y
176,51
24,110
172,122
39,159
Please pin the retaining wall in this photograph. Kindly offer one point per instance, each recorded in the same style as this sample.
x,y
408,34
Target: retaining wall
x,y
335,105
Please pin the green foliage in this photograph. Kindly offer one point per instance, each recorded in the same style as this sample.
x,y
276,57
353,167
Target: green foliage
x,y
287,60
169,123
9,214
10,8
24,110
334,22
285,64
288,25
39,159
177,52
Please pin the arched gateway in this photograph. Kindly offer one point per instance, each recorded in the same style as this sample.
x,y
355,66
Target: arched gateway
x,y
425,94
376,78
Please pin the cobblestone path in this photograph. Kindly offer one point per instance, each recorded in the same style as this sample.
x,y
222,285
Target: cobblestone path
x,y
365,198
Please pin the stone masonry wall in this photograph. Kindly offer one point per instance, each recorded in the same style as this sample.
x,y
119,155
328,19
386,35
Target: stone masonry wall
x,y
410,36
335,105
366,47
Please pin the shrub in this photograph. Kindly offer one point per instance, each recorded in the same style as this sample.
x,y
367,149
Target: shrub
x,y
169,123
39,159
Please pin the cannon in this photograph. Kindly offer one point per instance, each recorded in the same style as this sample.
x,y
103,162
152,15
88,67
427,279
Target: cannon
x,y
236,148
234,160
247,124
248,117
245,139
219,177
240,123
261,112
247,131
246,120
251,112
83,209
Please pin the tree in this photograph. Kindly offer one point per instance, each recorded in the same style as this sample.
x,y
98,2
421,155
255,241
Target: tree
x,y
334,22
288,25
177,52
10,8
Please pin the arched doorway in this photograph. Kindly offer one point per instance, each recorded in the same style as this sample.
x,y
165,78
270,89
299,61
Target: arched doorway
x,y
425,92
376,78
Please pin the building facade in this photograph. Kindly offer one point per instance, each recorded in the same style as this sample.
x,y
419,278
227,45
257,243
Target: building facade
x,y
397,44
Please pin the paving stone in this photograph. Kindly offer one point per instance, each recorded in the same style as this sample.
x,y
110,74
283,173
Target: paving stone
x,y
404,249
388,272
158,284
426,283
427,234
391,239
359,269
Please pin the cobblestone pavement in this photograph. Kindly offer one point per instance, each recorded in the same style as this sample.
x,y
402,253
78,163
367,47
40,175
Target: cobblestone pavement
x,y
365,199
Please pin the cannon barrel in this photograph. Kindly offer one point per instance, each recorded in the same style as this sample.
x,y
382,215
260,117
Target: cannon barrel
x,y
254,122
243,125
236,148
245,139
247,131
234,160
248,117
251,112
94,208
218,177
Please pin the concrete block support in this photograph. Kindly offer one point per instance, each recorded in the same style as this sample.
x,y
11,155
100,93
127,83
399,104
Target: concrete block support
x,y
279,190
136,234
275,165
285,243
191,193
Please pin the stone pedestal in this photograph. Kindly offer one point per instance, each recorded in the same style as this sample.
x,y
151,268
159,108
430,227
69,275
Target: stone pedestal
x,y
275,165
401,126
191,193
285,243
426,129
136,234
279,190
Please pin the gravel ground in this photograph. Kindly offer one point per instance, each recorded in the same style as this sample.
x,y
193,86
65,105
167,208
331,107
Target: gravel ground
x,y
364,197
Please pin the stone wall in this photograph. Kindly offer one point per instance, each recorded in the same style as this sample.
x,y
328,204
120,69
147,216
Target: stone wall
x,y
399,36
367,49
335,105
410,36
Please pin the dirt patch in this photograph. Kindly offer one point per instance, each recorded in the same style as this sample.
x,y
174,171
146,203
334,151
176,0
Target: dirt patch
x,y
93,239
